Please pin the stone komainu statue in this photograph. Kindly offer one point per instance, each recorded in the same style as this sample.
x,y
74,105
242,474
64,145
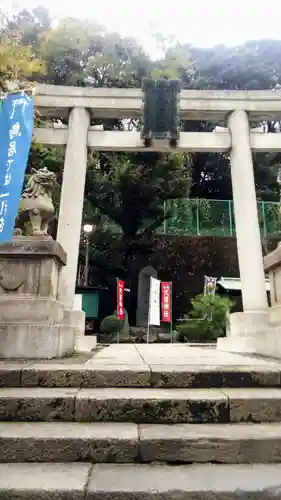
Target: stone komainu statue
x,y
36,205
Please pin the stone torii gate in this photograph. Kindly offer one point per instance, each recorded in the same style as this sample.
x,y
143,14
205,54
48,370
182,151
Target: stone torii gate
x,y
234,107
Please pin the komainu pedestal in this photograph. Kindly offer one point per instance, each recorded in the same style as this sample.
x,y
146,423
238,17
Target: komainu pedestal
x,y
259,332
272,265
31,316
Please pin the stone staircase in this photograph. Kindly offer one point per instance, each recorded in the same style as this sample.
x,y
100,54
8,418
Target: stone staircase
x,y
106,431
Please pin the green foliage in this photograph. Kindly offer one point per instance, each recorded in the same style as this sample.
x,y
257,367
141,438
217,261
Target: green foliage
x,y
124,327
111,324
272,218
215,217
185,216
174,63
122,192
17,62
77,52
207,320
84,53
65,50
254,65
20,57
129,191
28,26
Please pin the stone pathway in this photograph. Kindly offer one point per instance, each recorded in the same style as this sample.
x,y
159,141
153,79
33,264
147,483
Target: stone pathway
x,y
74,359
176,356
141,421
155,355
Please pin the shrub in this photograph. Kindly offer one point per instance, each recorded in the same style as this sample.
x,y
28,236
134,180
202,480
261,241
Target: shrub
x,y
111,324
207,320
124,323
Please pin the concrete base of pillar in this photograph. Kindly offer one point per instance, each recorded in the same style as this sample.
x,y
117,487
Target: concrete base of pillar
x,y
256,333
246,333
85,343
75,322
270,343
275,315
240,344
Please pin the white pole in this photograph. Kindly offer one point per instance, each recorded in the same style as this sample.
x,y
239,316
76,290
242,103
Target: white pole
x,y
248,238
149,308
72,199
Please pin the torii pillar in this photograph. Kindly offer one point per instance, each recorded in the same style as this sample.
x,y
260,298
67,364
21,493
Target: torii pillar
x,y
245,326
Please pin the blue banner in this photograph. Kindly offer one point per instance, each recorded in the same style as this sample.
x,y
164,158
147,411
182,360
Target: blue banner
x,y
16,126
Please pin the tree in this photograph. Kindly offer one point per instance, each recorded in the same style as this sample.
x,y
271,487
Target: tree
x,y
81,53
175,63
130,190
119,62
20,58
254,65
76,52
17,62
28,27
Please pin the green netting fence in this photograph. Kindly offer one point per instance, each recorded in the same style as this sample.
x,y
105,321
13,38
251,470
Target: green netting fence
x,y
200,217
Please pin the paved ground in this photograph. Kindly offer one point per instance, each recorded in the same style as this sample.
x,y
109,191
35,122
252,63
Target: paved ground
x,y
172,356
75,359
175,355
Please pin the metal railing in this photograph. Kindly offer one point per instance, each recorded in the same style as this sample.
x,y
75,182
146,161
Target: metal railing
x,y
202,217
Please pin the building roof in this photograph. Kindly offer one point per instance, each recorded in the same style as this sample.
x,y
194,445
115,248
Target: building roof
x,y
235,283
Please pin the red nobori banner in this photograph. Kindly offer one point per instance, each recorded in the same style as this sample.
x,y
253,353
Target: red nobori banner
x,y
166,302
120,299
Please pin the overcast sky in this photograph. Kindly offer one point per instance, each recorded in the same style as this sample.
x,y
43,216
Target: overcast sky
x,y
201,22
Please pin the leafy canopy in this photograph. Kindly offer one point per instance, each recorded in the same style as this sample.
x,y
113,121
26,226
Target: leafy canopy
x,y
129,191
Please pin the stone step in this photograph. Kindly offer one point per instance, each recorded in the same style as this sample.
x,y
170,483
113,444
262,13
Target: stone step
x,y
143,482
105,374
125,442
141,405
